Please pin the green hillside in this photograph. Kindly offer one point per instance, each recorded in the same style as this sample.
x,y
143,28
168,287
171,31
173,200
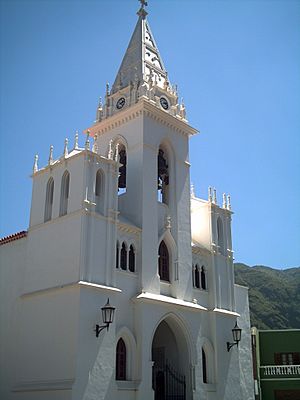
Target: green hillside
x,y
274,295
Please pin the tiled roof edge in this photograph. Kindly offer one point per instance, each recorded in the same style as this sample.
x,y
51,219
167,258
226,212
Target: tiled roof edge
x,y
11,238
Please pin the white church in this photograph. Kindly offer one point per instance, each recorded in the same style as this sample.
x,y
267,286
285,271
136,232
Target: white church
x,y
116,219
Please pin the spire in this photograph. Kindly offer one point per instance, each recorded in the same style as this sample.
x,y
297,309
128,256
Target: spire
x,y
141,58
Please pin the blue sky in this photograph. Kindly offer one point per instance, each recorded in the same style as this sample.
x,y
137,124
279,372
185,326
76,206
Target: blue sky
x,y
237,66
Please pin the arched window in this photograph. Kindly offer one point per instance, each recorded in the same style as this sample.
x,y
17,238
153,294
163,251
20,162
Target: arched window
x,y
163,262
64,193
203,278
204,366
117,255
123,256
122,169
197,277
49,200
220,235
131,259
162,177
98,183
98,189
121,361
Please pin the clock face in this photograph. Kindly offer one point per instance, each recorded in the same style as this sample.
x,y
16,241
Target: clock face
x,y
164,103
121,103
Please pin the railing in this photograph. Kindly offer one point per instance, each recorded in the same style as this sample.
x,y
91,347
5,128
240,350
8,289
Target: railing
x,y
271,371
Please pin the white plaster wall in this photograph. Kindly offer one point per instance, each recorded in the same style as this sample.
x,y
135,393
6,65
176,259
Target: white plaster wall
x,y
201,222
53,253
245,350
46,344
95,359
12,268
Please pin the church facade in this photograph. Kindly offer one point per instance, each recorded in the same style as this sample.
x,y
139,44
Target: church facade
x,y
117,219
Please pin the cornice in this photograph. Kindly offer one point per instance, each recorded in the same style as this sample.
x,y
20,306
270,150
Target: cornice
x,y
128,228
64,161
200,250
144,107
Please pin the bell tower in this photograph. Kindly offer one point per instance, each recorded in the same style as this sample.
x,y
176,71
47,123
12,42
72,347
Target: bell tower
x,y
143,123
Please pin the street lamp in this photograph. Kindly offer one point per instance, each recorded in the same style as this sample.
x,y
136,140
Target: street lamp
x,y
236,333
107,315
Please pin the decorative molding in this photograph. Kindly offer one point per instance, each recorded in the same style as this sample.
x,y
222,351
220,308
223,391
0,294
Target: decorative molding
x,y
73,154
143,107
200,250
128,228
166,300
128,385
225,312
92,285
43,385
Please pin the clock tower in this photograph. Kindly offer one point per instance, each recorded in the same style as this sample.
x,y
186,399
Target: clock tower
x,y
144,123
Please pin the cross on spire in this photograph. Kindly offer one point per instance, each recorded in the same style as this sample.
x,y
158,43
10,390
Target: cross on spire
x,y
143,3
142,12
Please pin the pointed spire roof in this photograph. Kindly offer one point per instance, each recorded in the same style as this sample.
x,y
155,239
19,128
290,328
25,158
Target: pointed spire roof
x,y
142,58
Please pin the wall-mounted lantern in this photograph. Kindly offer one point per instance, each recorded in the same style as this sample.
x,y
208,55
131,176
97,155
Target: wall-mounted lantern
x,y
236,333
108,313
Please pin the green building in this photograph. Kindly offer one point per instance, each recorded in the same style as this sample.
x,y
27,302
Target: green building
x,y
276,364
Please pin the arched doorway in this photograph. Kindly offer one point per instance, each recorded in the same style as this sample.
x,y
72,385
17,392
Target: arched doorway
x,y
170,356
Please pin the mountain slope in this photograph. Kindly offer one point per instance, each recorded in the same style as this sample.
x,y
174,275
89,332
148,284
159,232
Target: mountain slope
x,y
274,295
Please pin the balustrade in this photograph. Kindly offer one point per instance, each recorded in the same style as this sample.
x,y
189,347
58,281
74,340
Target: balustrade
x,y
282,370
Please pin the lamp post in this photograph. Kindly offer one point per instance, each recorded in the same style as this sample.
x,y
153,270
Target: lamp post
x,y
107,315
236,333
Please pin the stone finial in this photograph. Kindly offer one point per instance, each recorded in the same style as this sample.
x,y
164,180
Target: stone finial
x,y
224,205
215,201
76,141
107,89
66,148
50,159
35,165
228,203
110,150
192,190
168,222
175,89
99,114
117,152
210,194
87,142
182,109
95,145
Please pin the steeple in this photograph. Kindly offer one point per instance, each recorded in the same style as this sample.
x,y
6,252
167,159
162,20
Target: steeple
x,y
142,60
142,74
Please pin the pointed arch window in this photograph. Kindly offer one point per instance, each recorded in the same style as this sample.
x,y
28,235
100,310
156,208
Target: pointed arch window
x,y
121,360
204,367
131,259
49,200
196,277
220,235
99,189
163,262
64,194
124,256
117,255
122,182
162,177
98,184
203,278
